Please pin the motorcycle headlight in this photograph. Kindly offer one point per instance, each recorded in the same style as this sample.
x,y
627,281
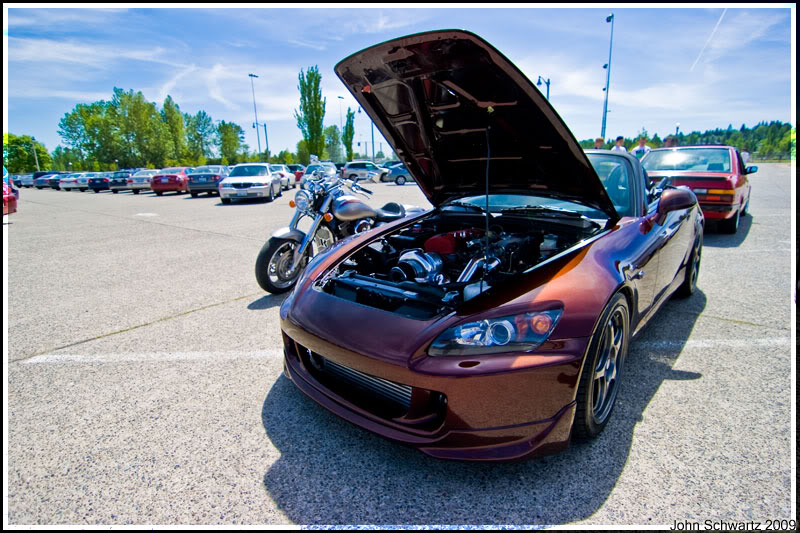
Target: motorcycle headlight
x,y
303,200
517,333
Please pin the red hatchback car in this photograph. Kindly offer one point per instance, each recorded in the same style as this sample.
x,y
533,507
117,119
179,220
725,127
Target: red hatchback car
x,y
171,179
716,174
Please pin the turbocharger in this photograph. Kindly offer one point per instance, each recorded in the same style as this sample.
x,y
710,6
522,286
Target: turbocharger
x,y
418,266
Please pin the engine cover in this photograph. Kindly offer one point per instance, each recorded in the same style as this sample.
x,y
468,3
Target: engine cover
x,y
452,242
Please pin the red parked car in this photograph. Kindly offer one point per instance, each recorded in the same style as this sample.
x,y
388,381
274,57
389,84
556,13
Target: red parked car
x,y
9,200
716,174
495,326
171,179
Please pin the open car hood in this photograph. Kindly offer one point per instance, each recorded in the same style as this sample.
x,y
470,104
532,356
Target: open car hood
x,y
437,96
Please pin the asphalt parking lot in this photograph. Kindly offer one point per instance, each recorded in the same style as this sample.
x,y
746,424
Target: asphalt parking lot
x,y
145,386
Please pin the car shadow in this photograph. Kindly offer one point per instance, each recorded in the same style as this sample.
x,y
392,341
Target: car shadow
x,y
332,472
713,237
268,301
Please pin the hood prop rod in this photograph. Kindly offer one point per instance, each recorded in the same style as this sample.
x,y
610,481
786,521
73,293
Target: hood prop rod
x,y
490,110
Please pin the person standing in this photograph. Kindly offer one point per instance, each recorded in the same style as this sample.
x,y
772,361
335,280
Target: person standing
x,y
642,149
620,146
598,143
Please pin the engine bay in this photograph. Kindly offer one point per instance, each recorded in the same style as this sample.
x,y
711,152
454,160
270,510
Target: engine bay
x,y
437,263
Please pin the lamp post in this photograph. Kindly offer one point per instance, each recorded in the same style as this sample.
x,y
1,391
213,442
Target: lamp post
x,y
607,66
341,125
546,82
35,157
372,133
252,86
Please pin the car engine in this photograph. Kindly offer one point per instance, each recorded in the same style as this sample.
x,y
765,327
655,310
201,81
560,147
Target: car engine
x,y
438,263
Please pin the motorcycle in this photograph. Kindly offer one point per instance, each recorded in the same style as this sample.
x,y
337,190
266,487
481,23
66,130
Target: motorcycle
x,y
335,215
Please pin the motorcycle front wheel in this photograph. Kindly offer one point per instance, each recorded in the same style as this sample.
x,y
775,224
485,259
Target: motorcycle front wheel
x,y
273,264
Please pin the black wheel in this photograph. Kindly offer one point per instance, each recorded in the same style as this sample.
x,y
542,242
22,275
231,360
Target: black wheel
x,y
194,195
353,176
115,191
730,225
96,190
84,189
159,193
271,194
400,180
135,191
689,285
602,370
226,201
273,265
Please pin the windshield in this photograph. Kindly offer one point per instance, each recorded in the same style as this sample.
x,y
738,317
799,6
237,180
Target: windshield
x,y
174,170
321,168
145,173
500,202
207,170
689,159
249,170
120,174
277,168
615,174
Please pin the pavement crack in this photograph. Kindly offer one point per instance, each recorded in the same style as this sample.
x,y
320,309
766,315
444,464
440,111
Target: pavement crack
x,y
156,321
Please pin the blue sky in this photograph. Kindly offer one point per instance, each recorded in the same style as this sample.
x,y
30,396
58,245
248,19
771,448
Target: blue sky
x,y
664,67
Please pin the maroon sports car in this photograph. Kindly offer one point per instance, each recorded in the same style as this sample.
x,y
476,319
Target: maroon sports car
x,y
495,326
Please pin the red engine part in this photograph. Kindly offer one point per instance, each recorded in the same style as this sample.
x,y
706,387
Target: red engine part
x,y
452,242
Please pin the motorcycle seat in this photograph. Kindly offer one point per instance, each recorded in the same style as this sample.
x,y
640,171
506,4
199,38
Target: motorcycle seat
x,y
390,212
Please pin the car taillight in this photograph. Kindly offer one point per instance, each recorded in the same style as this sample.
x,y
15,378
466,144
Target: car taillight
x,y
130,181
105,179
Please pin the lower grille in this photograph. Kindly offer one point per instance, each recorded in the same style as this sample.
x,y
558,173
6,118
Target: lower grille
x,y
383,389
241,185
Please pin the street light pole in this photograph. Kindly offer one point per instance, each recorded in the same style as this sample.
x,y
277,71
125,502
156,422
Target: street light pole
x,y
258,137
341,126
546,82
610,19
266,140
677,126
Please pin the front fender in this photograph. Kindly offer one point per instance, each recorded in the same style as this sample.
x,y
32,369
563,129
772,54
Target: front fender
x,y
289,234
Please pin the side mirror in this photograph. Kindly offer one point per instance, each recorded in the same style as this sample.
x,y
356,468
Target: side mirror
x,y
675,200
751,170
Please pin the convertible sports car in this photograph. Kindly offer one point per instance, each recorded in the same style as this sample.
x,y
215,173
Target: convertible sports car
x,y
495,326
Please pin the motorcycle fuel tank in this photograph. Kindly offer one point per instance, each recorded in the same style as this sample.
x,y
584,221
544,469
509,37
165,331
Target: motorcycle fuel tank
x,y
351,208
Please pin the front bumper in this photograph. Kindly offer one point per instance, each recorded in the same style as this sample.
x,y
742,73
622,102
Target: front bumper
x,y
454,412
250,192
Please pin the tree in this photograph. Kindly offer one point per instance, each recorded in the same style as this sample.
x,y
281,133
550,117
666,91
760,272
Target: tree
x,y
172,116
312,110
230,138
200,133
380,155
348,133
303,154
66,159
18,155
333,144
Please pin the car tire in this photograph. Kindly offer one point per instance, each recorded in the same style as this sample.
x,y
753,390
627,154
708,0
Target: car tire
x,y
730,225
271,197
84,189
194,194
602,370
226,201
96,190
353,176
689,285
114,191
135,191
400,180
159,193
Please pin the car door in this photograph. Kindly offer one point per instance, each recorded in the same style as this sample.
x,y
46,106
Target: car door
x,y
741,179
672,238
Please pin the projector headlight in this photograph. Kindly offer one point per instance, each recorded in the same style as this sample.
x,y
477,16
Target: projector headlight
x,y
517,333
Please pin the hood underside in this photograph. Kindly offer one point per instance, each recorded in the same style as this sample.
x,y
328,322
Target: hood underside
x,y
449,104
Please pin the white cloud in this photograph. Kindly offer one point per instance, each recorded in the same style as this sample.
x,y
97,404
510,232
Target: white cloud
x,y
165,89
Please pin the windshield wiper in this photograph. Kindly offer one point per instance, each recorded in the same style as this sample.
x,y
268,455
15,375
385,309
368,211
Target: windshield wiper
x,y
542,209
464,204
